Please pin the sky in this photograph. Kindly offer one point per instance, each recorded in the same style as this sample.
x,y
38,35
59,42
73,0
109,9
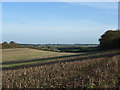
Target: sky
x,y
57,22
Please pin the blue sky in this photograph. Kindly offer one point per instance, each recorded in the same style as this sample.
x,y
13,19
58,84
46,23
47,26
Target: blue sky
x,y
57,22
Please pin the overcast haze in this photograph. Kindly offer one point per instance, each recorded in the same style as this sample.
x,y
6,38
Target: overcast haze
x,y
55,22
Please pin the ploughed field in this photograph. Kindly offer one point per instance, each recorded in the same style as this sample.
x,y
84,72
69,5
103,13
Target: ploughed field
x,y
98,69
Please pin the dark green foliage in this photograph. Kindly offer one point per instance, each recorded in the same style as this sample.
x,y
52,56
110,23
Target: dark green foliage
x,y
12,44
64,49
77,49
44,48
110,40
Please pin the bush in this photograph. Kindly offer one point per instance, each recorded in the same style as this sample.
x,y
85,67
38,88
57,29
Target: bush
x,y
110,40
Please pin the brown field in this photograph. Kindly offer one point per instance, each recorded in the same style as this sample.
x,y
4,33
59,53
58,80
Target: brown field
x,y
96,72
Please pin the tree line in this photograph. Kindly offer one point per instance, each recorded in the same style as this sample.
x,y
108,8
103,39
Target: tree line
x,y
12,44
109,40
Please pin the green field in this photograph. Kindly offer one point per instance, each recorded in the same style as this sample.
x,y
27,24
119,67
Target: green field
x,y
11,56
20,54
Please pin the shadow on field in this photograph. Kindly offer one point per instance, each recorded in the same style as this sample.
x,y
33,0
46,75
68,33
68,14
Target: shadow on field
x,y
52,62
39,59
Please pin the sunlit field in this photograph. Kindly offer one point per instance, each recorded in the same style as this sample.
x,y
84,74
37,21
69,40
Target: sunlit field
x,y
59,45
97,72
19,54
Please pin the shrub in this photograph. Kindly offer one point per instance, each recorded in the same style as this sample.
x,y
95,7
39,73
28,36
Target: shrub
x,y
110,40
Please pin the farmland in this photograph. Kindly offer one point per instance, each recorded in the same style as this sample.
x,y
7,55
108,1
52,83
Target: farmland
x,y
17,54
95,69
20,56
25,56
69,45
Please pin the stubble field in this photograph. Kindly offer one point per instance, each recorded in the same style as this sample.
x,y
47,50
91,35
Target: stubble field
x,y
95,72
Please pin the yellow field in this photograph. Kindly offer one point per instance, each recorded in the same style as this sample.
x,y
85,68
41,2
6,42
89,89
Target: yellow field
x,y
18,54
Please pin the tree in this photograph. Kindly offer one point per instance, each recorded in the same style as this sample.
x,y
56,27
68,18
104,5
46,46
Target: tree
x,y
110,40
5,45
14,45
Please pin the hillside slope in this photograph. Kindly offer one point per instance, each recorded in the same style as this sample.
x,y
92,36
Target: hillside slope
x,y
97,72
